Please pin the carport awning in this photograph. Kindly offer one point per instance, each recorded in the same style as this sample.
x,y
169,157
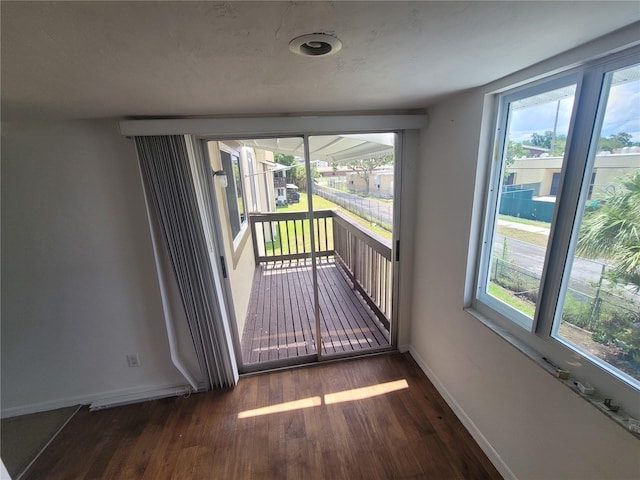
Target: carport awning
x,y
330,148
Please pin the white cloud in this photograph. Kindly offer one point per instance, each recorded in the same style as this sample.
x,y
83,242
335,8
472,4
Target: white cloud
x,y
539,119
623,110
622,115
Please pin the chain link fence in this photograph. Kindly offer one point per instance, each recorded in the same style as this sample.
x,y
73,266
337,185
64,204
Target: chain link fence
x,y
374,211
609,313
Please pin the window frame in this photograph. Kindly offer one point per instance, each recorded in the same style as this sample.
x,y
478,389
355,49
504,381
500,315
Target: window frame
x,y
484,302
231,187
536,337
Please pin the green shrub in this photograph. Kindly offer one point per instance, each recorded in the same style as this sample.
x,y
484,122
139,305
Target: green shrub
x,y
577,312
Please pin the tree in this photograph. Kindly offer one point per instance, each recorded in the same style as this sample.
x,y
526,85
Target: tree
x,y
301,175
289,160
615,141
364,167
295,175
514,150
543,141
558,146
613,230
554,143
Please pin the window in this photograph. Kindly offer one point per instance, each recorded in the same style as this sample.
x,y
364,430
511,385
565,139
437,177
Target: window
x,y
521,222
235,195
510,178
560,260
599,292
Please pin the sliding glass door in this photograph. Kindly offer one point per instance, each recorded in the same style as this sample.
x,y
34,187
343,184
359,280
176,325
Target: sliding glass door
x,y
352,203
307,226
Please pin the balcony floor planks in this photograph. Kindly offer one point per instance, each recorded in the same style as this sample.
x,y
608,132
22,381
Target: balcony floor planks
x,y
280,320
408,432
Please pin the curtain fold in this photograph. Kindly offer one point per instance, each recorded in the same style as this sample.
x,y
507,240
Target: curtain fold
x,y
175,180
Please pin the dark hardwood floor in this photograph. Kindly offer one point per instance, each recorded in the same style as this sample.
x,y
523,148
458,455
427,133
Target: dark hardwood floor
x,y
367,418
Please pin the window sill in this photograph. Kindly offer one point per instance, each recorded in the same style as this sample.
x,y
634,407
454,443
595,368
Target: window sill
x,y
596,400
239,243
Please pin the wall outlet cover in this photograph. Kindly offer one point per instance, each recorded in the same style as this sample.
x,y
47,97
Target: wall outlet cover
x,y
133,360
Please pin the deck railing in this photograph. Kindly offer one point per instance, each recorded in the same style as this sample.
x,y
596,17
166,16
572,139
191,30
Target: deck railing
x,y
364,256
285,236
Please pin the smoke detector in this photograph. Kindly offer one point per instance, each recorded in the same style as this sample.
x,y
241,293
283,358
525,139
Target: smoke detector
x,y
315,45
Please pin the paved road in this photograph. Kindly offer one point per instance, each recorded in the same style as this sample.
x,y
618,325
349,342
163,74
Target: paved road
x,y
584,274
369,208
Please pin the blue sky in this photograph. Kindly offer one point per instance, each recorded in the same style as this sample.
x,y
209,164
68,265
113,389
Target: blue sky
x,y
622,115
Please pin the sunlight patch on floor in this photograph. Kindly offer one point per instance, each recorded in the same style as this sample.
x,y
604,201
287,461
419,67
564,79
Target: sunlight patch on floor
x,y
282,407
329,399
365,392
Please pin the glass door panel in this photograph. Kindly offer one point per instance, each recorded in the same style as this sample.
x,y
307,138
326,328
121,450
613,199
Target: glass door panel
x,y
352,200
267,248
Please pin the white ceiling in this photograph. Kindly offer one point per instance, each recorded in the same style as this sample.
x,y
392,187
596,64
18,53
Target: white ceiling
x,y
64,60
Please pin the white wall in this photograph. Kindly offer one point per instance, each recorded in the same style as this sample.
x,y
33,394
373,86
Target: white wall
x,y
241,263
409,177
79,285
536,425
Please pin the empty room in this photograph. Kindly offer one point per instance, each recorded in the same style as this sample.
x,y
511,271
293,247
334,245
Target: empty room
x,y
325,240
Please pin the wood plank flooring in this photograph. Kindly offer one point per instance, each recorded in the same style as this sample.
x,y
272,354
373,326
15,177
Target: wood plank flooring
x,y
280,320
369,418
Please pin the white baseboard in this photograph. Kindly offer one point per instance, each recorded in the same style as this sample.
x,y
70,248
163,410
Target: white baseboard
x,y
138,397
141,393
404,348
477,435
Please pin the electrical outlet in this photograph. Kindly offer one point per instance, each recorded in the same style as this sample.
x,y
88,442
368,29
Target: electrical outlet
x,y
133,360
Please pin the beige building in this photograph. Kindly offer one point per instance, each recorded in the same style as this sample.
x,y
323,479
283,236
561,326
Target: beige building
x,y
543,173
380,183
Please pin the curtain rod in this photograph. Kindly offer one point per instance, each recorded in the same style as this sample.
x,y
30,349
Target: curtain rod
x,y
272,125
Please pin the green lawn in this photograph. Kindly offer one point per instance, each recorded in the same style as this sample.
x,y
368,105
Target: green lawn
x,y
524,221
529,237
510,299
320,203
540,239
294,237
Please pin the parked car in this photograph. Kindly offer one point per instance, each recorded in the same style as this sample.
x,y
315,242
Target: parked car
x,y
293,196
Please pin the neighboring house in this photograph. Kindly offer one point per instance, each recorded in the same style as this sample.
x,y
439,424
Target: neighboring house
x,y
330,171
543,173
535,152
380,182
280,186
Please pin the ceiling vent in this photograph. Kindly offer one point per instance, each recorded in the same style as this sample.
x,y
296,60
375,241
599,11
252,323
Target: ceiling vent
x,y
315,45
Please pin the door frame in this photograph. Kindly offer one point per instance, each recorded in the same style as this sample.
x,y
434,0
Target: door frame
x,y
201,141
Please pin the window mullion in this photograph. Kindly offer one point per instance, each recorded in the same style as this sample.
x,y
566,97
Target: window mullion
x,y
576,156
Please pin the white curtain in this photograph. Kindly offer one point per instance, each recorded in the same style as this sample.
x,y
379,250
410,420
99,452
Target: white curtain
x,y
176,182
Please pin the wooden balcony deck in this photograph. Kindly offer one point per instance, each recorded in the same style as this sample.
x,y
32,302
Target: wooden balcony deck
x,y
280,321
